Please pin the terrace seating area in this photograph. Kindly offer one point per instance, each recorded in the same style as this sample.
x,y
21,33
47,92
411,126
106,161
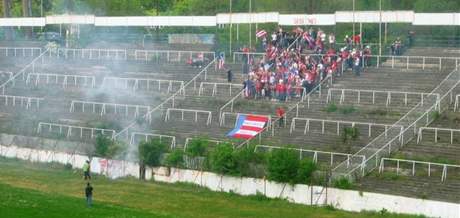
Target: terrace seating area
x,y
131,95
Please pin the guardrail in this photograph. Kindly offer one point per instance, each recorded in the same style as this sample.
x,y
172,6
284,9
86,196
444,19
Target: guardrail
x,y
90,53
103,107
436,130
62,127
148,116
388,95
315,153
170,55
137,83
196,112
429,166
22,100
146,137
337,125
215,85
21,51
457,100
77,80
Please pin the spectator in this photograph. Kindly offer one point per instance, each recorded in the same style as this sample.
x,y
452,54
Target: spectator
x,y
331,40
86,170
280,113
229,75
357,39
89,195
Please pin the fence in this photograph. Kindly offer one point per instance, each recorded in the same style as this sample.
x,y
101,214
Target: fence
x,y
148,116
64,79
22,100
336,125
141,83
91,54
171,55
103,107
93,132
215,85
315,153
457,99
414,163
419,116
8,74
146,136
237,115
196,112
21,51
436,130
389,95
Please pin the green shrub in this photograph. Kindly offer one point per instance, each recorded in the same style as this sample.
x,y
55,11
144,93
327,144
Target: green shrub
x,y
350,133
331,108
197,147
348,110
221,159
150,152
343,183
305,171
175,159
283,165
103,144
246,159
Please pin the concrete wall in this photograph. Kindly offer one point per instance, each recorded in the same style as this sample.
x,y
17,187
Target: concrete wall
x,y
348,200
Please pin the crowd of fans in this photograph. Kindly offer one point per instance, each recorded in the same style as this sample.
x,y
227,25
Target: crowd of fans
x,y
295,62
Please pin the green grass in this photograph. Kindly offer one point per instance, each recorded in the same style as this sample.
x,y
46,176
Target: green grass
x,y
49,190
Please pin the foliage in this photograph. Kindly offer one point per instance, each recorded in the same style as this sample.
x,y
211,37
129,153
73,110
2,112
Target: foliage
x,y
247,159
151,151
348,110
350,133
343,183
331,108
305,171
175,159
283,165
221,159
197,147
103,144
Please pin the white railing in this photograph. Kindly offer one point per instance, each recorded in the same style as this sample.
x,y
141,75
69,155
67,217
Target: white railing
x,y
170,55
230,86
21,51
126,108
418,116
237,116
146,136
314,154
8,74
62,79
141,83
21,100
92,54
93,132
239,55
436,130
373,95
183,111
457,100
337,124
27,69
429,166
148,116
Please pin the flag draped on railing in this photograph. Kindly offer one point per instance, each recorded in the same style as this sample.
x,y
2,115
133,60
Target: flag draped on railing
x,y
248,126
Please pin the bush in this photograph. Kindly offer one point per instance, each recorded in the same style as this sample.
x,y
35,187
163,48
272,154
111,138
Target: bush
x,y
343,183
305,171
348,110
331,108
247,161
175,159
283,165
221,159
103,144
350,133
150,152
197,147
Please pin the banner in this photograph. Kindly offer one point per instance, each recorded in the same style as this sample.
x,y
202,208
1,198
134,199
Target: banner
x,y
248,126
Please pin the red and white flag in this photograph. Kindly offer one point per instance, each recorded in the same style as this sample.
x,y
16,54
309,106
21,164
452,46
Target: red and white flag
x,y
261,33
248,126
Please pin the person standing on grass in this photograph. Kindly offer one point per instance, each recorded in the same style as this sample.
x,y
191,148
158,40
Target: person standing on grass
x,y
86,170
280,113
89,195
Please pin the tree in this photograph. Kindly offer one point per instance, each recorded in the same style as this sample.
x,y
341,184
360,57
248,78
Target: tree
x,y
149,154
221,159
7,13
27,12
103,144
283,165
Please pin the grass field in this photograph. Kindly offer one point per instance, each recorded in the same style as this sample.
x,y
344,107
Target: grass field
x,y
46,190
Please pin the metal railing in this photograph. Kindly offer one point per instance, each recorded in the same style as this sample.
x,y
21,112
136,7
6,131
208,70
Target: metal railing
x,y
418,116
90,53
148,116
436,130
413,163
147,136
373,93
21,51
215,85
62,127
115,106
457,100
337,124
64,79
26,101
170,55
315,153
182,112
140,83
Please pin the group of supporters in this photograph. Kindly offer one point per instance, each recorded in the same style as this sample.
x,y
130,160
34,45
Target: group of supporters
x,y
295,62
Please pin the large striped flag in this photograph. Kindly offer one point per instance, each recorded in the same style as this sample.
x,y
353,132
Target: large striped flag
x,y
248,126
261,33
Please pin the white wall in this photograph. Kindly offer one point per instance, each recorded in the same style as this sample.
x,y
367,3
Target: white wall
x,y
348,200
